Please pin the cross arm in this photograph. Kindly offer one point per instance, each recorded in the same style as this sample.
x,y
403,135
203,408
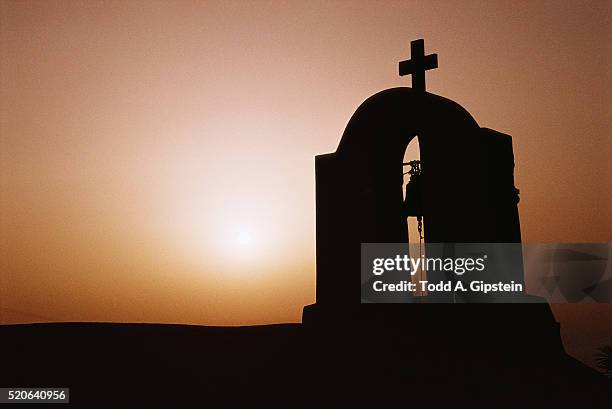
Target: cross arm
x,y
408,67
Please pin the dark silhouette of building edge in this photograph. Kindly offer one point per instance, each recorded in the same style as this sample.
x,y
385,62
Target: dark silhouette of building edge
x,y
468,196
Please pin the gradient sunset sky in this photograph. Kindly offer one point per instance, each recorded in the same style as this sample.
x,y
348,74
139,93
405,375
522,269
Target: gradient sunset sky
x,y
157,158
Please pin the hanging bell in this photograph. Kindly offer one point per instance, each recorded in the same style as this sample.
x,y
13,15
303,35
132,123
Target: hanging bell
x,y
413,203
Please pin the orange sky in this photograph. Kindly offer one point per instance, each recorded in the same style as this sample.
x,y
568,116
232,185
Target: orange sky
x,y
157,157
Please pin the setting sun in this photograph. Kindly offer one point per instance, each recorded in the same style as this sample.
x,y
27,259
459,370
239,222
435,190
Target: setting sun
x,y
244,238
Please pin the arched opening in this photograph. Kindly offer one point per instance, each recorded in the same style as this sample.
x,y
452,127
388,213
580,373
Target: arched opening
x,y
414,224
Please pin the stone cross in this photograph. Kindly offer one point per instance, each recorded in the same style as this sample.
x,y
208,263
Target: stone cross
x,y
418,64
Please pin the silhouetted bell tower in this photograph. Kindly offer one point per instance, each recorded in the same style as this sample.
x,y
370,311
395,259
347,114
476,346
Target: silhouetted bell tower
x,y
467,183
